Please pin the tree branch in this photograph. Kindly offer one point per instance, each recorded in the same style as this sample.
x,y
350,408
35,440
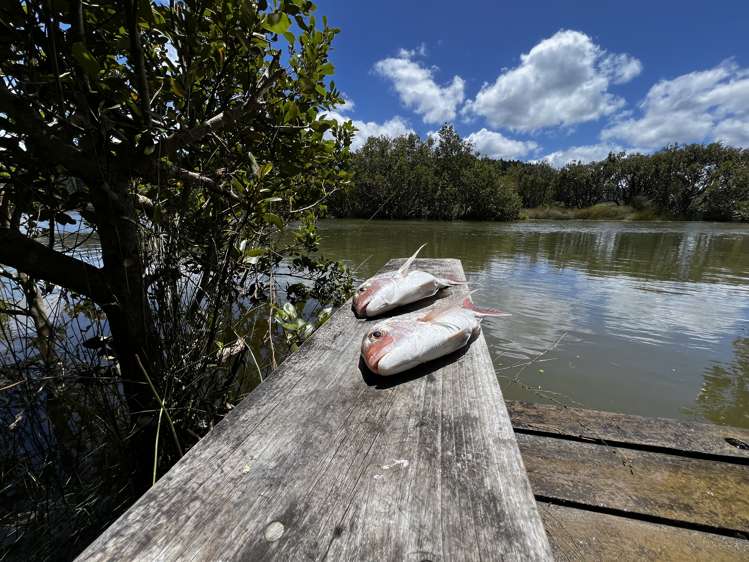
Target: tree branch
x,y
14,312
164,170
39,261
174,142
139,66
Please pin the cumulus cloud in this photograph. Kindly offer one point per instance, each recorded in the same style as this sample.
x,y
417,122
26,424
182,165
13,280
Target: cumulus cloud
x,y
585,154
417,88
563,80
391,128
708,105
496,145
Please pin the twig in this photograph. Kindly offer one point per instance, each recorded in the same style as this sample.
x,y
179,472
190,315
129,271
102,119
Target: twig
x,y
161,403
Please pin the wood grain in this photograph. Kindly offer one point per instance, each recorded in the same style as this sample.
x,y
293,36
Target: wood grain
x,y
697,491
622,429
327,461
578,535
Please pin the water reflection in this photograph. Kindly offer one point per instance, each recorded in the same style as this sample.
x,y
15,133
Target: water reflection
x,y
643,310
724,396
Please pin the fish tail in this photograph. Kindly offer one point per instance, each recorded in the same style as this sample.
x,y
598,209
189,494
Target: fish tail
x,y
482,312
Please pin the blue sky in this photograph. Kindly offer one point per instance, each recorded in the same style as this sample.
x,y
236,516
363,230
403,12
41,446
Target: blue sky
x,y
557,80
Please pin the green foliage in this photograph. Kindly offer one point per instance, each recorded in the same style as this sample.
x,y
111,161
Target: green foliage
x,y
406,177
189,141
433,179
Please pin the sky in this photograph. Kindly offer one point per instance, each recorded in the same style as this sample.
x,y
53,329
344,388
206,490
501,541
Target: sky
x,y
556,80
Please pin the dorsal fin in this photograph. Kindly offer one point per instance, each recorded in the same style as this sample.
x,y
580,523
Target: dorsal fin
x,y
466,303
441,309
402,270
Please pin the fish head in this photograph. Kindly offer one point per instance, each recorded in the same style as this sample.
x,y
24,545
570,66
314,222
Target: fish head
x,y
372,295
387,348
377,343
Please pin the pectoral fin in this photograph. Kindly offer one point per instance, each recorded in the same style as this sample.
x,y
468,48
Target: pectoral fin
x,y
447,282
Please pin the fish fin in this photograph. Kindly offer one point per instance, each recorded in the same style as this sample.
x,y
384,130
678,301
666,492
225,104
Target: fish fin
x,y
438,311
404,268
482,312
447,282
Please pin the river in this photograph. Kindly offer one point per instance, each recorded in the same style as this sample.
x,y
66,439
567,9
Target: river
x,y
647,318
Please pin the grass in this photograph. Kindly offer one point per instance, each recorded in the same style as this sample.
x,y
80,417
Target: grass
x,y
602,211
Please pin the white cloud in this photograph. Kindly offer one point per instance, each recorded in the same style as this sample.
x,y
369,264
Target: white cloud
x,y
563,80
496,145
734,132
421,51
391,128
417,88
347,106
708,105
585,154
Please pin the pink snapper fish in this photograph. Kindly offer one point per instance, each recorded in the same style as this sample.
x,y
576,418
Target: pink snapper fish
x,y
387,291
398,344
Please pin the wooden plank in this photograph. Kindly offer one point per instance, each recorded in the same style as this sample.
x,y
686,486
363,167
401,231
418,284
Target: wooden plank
x,y
326,461
620,429
580,535
697,491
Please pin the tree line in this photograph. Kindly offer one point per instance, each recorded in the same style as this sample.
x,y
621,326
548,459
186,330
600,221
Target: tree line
x,y
442,177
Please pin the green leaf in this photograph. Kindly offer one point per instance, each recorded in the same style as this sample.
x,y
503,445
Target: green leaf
x,y
253,164
177,87
85,59
254,252
292,112
265,169
277,22
274,219
272,199
327,69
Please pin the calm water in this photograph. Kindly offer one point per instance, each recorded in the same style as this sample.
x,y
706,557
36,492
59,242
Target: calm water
x,y
642,318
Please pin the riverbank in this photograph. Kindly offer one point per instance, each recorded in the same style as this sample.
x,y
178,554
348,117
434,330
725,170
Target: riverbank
x,y
602,211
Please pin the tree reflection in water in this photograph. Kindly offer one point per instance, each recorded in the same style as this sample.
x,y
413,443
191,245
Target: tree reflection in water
x,y
724,396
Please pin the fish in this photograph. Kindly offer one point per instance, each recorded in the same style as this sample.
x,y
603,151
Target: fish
x,y
387,291
398,344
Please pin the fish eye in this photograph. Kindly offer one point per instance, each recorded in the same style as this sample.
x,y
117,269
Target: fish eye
x,y
377,334
362,289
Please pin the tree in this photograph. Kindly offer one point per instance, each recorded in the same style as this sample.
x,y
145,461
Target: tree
x,y
184,136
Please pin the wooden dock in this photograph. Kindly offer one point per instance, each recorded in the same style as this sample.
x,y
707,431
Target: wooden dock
x,y
617,487
326,461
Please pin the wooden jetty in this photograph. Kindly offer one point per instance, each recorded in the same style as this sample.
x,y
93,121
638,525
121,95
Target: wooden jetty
x,y
617,487
326,461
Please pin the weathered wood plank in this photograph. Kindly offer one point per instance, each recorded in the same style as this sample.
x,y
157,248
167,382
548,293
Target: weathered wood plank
x,y
579,535
325,461
701,492
625,429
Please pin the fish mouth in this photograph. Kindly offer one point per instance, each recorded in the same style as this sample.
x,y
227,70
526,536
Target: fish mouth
x,y
359,305
375,352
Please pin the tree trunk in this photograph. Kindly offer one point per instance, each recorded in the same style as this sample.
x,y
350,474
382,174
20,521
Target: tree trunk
x,y
134,335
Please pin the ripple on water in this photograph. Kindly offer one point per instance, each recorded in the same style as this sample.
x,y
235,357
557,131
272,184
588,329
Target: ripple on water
x,y
644,310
